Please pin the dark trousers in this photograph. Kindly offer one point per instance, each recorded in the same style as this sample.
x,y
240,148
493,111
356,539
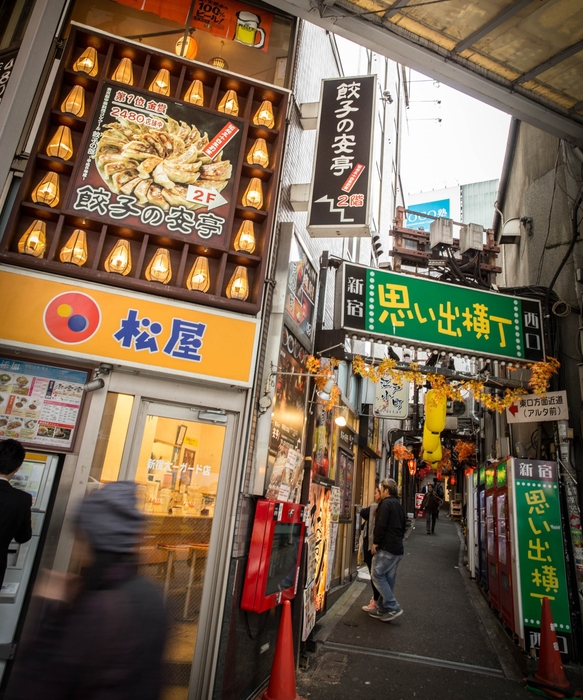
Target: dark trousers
x,y
430,519
368,562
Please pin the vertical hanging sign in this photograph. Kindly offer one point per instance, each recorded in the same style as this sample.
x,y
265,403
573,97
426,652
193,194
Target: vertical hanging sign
x,y
340,193
540,556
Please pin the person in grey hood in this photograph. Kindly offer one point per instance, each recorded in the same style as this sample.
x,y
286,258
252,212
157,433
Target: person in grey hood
x,y
101,635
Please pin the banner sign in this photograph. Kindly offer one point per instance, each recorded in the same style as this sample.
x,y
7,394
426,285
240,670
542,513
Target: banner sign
x,y
159,166
437,314
391,399
340,195
535,408
83,320
40,404
300,295
415,218
539,550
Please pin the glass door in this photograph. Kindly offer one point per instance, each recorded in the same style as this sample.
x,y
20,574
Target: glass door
x,y
177,455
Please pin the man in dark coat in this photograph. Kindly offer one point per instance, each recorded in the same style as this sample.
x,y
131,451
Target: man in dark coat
x,y
14,504
389,531
102,635
431,505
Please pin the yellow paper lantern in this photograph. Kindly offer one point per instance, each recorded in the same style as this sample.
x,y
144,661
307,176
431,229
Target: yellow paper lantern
x,y
435,411
253,196
264,115
195,93
245,240
75,249
199,279
120,258
124,73
188,49
34,239
160,267
161,83
259,155
433,457
430,440
74,103
229,104
87,62
48,190
238,287
61,145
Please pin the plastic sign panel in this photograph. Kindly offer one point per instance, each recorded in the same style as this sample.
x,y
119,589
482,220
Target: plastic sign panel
x,y
422,311
539,547
136,172
535,408
415,218
391,399
340,195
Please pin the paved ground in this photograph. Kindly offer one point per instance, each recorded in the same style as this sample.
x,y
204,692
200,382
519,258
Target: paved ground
x,y
447,644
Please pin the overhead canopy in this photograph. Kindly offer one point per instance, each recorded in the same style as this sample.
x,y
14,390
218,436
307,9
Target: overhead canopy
x,y
524,57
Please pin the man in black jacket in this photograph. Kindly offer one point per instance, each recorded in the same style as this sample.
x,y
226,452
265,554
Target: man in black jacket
x,y
14,504
387,550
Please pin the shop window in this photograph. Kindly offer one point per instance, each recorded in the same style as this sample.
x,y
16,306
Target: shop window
x,y
247,39
111,439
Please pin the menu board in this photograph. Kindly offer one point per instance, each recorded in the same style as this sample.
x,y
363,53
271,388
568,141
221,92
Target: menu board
x,y
39,404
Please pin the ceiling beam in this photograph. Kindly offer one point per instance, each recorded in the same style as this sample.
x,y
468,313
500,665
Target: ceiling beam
x,y
395,8
492,24
405,48
553,61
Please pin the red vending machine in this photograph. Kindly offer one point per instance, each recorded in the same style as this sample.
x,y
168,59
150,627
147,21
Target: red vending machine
x,y
503,545
493,575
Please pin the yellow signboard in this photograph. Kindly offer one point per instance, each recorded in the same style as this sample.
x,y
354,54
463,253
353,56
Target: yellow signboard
x,y
72,318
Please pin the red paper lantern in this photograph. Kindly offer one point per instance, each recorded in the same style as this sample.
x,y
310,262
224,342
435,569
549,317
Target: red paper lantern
x,y
452,480
412,466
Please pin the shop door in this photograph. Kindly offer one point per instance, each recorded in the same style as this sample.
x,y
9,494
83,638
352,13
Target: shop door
x,y
179,459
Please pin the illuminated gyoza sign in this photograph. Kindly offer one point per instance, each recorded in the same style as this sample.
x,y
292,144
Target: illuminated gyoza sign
x,y
436,314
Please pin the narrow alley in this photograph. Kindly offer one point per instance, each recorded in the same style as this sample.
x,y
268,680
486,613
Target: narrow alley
x,y
447,644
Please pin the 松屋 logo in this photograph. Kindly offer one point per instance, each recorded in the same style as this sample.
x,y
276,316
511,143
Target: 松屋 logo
x,y
72,318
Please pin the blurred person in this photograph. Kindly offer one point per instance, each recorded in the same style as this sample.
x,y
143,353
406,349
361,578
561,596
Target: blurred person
x,y
431,505
15,505
101,634
368,516
387,550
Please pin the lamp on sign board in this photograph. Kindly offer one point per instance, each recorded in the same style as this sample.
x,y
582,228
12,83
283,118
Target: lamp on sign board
x,y
253,196
245,240
186,49
124,73
258,155
74,103
161,83
120,258
340,419
238,287
75,249
61,145
34,240
229,104
87,62
199,279
195,93
160,267
264,115
47,191
325,392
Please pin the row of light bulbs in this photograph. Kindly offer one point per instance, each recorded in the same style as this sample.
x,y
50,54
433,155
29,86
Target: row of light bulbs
x,y
124,73
119,261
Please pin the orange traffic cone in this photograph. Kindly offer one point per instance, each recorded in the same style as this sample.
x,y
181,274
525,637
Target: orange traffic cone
x,y
282,682
550,676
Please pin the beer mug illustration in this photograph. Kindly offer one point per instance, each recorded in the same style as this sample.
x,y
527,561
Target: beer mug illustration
x,y
248,30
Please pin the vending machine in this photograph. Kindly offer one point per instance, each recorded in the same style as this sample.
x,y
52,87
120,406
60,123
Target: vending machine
x,y
37,476
482,552
503,545
492,557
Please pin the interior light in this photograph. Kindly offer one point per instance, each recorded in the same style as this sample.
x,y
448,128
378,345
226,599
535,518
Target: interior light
x,y
253,196
47,191
195,93
259,155
87,62
74,103
264,115
34,240
245,240
229,104
160,268
190,47
124,73
61,145
238,287
120,258
75,249
161,83
199,279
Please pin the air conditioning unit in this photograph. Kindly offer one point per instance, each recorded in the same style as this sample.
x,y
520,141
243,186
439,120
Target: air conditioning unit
x,y
441,232
456,408
471,237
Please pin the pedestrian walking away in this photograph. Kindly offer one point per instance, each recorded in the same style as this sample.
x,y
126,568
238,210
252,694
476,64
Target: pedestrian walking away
x,y
431,505
387,550
368,515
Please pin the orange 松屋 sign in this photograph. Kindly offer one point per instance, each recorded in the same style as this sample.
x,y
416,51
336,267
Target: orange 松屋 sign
x,y
71,318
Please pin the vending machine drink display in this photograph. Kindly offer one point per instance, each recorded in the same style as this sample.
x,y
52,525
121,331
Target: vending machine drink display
x,y
492,570
503,545
37,477
482,558
274,555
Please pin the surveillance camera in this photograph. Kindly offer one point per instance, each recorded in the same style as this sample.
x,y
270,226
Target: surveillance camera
x,y
94,385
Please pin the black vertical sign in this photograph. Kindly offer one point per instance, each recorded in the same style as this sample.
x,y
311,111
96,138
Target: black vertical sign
x,y
351,302
340,196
